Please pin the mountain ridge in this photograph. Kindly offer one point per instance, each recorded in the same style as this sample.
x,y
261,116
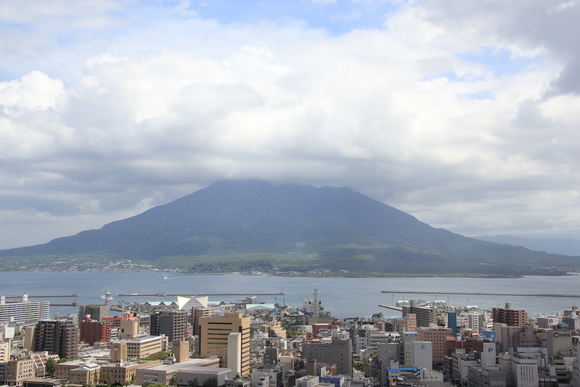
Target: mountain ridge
x,y
336,228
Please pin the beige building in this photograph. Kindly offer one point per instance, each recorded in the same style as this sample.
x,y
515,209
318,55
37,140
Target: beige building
x,y
509,316
129,328
214,338
18,370
274,327
81,371
85,374
120,373
139,347
4,350
438,337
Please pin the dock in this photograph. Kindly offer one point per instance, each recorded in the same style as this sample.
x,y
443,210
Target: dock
x,y
397,308
44,295
481,293
193,294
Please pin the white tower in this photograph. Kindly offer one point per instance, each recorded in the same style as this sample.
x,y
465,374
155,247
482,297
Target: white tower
x,y
315,303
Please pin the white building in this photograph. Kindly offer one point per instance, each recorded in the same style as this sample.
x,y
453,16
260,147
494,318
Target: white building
x,y
423,355
24,311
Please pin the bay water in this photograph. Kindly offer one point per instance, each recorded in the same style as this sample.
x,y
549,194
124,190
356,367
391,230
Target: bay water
x,y
344,297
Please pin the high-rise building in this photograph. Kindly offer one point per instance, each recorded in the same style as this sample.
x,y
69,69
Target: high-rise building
x,y
196,314
509,316
95,331
24,310
214,338
338,352
97,312
57,336
438,337
171,323
425,316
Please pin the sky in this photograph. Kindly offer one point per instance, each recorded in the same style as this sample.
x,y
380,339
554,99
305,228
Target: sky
x,y
464,114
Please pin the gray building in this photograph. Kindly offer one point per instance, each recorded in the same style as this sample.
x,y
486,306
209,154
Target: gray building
x,y
97,312
482,376
57,336
338,352
171,323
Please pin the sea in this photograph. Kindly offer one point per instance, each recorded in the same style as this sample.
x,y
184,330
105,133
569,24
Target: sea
x,y
343,297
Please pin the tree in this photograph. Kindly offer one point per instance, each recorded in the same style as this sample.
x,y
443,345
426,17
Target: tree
x,y
173,380
193,383
63,360
50,366
210,382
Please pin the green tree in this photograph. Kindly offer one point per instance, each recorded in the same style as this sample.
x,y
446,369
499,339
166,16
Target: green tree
x,y
193,383
173,380
210,382
50,366
63,360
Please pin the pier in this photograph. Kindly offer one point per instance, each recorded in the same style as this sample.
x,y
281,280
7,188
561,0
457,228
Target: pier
x,y
397,308
193,294
44,295
481,293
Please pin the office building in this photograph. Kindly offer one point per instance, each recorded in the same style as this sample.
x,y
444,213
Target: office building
x,y
97,312
423,355
214,338
439,338
139,347
338,352
171,323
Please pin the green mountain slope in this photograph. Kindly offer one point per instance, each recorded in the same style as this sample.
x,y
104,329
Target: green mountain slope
x,y
293,225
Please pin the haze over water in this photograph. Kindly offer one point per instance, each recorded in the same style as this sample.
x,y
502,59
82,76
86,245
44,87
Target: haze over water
x,y
344,297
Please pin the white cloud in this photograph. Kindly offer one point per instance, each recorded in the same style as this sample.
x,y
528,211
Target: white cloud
x,y
419,114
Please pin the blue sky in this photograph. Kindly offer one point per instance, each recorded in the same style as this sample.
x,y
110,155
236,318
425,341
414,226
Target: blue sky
x,y
463,114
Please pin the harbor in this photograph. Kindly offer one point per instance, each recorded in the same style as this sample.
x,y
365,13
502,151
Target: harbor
x,y
44,295
481,293
199,294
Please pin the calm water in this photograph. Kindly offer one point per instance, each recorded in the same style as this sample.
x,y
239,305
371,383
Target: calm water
x,y
344,297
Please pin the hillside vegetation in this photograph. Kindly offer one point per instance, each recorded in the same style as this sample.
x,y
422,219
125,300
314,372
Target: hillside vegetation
x,y
255,226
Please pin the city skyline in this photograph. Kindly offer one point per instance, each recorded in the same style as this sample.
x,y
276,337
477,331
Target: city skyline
x,y
462,115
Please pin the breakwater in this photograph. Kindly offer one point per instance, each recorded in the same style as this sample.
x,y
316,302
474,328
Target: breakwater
x,y
481,293
167,294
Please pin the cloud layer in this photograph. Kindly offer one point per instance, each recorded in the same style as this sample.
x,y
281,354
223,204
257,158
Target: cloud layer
x,y
464,114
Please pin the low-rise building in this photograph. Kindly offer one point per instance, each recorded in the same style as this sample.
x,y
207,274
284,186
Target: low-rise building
x,y
202,374
19,369
142,347
162,373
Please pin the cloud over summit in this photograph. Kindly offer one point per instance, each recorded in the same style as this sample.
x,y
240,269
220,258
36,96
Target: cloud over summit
x,y
462,114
